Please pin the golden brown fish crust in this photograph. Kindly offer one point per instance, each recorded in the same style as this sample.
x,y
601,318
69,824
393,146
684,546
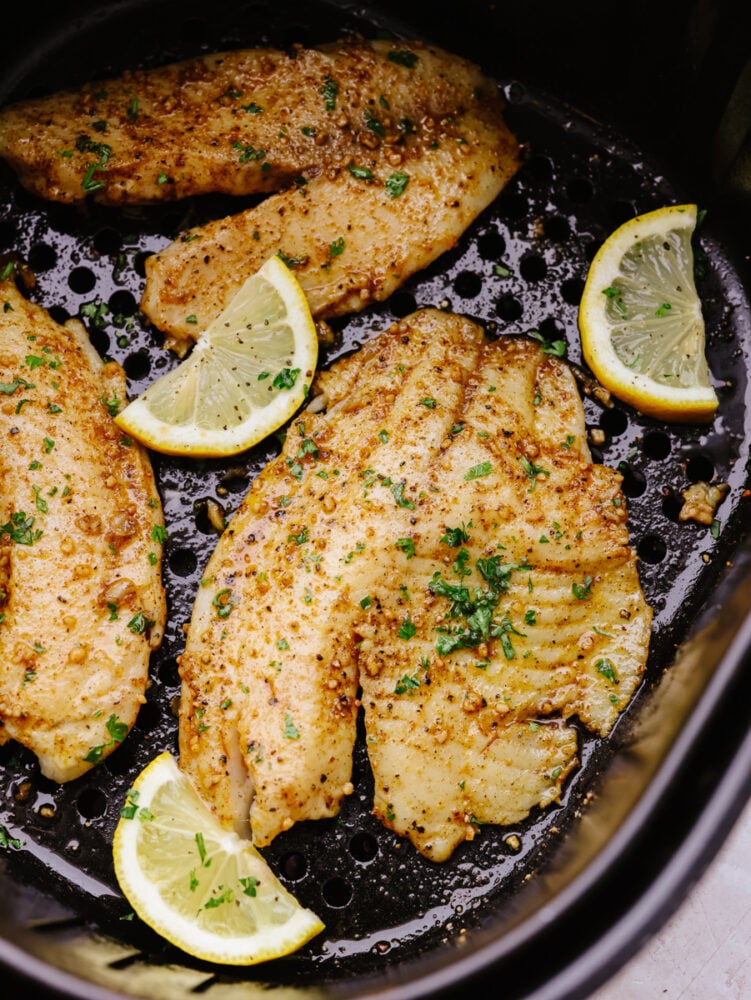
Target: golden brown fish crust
x,y
381,154
81,531
404,159
439,537
241,122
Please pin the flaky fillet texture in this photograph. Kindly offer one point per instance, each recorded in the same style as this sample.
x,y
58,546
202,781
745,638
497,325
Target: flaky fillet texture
x,y
81,599
439,538
381,154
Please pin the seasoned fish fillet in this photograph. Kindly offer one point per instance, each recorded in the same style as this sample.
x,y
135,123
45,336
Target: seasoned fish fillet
x,y
382,153
439,540
81,600
389,171
239,122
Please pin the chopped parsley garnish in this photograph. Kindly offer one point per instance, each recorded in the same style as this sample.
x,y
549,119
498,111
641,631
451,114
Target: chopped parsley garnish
x,y
139,623
286,378
96,312
397,490
605,667
159,534
117,730
407,628
8,388
455,536
477,607
428,402
555,347
337,247
249,884
7,841
248,153
131,809
374,124
362,173
396,184
223,602
582,591
459,566
532,471
408,685
252,108
290,730
300,261
41,503
478,471
615,295
202,852
402,57
407,546
21,529
329,92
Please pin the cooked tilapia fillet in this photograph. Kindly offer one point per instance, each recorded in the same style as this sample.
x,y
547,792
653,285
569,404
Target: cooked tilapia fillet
x,y
382,152
81,599
241,122
440,538
347,240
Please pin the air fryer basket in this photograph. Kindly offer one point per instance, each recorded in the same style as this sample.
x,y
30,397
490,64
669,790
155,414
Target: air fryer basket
x,y
648,806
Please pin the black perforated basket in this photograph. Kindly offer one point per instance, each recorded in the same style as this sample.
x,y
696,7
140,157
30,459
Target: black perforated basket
x,y
604,113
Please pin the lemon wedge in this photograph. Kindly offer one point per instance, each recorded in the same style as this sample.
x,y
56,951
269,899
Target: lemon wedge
x,y
247,374
640,318
200,886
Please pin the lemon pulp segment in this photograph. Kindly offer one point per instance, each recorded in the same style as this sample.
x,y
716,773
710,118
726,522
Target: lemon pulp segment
x,y
641,321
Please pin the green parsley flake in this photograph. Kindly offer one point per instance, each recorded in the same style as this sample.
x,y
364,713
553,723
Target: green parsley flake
x,y
21,529
286,378
403,57
478,471
407,628
605,667
290,730
361,173
139,623
397,489
582,591
407,546
329,92
396,184
532,471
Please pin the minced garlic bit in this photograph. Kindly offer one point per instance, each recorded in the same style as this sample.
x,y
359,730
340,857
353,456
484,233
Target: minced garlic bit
x,y
701,500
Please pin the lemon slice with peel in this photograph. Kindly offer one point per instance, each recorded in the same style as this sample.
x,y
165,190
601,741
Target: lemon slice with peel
x,y
247,374
200,886
640,318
